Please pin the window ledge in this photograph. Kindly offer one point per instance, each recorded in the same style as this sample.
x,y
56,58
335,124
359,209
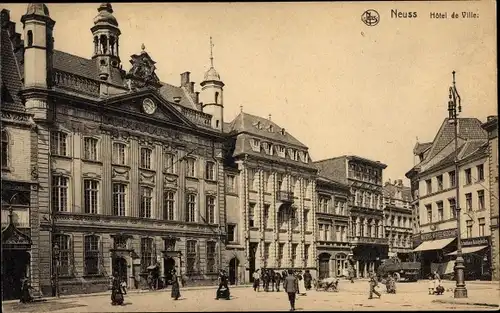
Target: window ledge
x,y
211,181
120,165
61,156
192,178
92,275
231,193
146,169
92,161
170,174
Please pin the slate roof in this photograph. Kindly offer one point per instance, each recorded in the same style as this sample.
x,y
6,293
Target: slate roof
x,y
10,76
421,147
334,169
390,190
246,123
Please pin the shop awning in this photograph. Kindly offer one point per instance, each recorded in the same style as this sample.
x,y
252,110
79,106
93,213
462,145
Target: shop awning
x,y
467,250
433,244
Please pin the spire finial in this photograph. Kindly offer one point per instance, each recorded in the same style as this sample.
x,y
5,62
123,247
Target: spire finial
x,y
453,73
143,47
241,108
211,53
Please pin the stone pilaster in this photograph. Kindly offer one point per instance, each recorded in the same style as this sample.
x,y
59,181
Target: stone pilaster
x,y
181,190
76,180
106,182
158,203
133,187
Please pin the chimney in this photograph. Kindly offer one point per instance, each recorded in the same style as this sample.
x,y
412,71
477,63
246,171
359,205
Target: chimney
x,y
269,116
491,118
191,87
197,97
400,182
185,79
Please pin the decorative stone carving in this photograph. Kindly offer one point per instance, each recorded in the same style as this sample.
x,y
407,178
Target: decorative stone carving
x,y
142,127
120,173
147,177
34,172
15,116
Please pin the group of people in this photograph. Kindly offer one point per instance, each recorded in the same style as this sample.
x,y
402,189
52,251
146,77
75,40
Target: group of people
x,y
272,279
435,287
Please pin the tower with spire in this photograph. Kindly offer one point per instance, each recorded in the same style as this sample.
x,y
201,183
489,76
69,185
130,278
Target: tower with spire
x,y
106,41
211,94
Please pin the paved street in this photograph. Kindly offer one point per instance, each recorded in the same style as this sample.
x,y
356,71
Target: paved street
x,y
410,296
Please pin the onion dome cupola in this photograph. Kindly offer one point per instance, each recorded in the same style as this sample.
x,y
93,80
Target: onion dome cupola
x,y
211,95
106,40
38,45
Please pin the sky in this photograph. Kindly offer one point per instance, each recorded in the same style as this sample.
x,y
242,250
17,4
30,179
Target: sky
x,y
337,85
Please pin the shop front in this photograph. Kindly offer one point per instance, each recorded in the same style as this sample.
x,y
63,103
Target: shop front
x,y
476,254
432,251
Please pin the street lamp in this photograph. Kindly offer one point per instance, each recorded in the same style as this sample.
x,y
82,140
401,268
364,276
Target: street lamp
x,y
57,251
453,111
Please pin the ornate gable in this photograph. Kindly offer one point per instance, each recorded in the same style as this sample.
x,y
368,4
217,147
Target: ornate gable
x,y
142,72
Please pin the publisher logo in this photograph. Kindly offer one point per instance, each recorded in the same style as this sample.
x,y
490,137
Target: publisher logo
x,y
370,17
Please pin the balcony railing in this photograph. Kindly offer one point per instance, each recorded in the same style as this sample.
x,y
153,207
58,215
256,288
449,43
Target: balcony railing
x,y
197,117
369,240
284,196
75,83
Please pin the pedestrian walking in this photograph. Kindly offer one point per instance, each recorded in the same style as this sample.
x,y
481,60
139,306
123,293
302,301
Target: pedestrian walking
x,y
176,292
124,287
290,285
390,284
307,280
116,291
256,282
277,280
302,285
373,284
25,291
223,290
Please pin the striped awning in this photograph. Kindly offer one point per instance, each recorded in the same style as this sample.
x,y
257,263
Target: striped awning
x,y
433,244
467,250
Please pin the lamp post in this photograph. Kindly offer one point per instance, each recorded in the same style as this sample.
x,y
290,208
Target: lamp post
x,y
454,108
57,251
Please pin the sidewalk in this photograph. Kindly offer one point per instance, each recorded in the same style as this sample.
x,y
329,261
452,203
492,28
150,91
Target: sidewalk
x,y
133,291
475,297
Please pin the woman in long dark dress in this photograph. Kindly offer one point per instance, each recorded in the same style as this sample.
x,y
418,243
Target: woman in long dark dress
x,y
25,291
176,293
307,280
116,291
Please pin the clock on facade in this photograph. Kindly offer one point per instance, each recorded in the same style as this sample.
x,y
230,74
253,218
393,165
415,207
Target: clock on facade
x,y
148,106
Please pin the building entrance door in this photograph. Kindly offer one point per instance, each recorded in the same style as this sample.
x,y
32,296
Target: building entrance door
x,y
324,265
233,270
15,265
169,267
120,268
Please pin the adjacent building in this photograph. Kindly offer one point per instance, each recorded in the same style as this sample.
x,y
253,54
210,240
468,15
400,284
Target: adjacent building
x,y
398,216
270,194
366,234
491,126
437,179
113,171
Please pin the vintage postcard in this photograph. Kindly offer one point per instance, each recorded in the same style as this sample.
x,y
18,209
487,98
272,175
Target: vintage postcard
x,y
271,156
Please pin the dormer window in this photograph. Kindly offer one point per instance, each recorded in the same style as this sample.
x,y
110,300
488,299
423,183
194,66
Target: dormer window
x,y
283,132
255,143
303,156
258,125
268,148
270,128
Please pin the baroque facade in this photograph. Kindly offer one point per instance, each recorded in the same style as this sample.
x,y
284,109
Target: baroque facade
x,y
437,179
491,126
399,218
366,233
122,172
270,194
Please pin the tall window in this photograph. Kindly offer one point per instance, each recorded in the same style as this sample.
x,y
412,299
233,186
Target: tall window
x,y
251,178
5,148
281,247
294,254
265,179
119,203
267,246
482,225
369,229
451,176
469,229
231,232
147,257
480,172
468,201
294,218
91,193
63,241
440,182
306,220
119,153
453,208
191,167
306,254
440,211
91,255
266,215
168,205
210,171
210,209
58,143
428,183
146,158
279,180
90,148
231,184
190,256
480,200
428,207
281,217
146,202
170,163
60,193
251,214
468,176
191,208
211,257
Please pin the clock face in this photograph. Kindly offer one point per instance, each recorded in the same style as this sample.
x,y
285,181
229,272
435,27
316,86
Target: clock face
x,y
148,106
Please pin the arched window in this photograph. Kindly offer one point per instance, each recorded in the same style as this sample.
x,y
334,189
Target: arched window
x,y
30,38
112,45
216,97
104,44
5,148
96,44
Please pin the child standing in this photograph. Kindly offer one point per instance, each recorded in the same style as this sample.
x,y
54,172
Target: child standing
x,y
431,285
